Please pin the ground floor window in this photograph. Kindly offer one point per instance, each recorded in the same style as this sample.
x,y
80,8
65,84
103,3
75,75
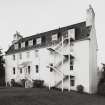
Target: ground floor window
x,y
51,69
37,68
72,80
20,70
13,70
28,69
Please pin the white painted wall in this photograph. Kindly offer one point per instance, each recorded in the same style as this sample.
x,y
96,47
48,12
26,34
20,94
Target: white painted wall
x,y
81,66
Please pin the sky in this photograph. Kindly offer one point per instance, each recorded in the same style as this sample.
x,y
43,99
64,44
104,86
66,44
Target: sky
x,y
30,17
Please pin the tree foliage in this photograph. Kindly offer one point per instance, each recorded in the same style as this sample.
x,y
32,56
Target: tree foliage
x,y
2,69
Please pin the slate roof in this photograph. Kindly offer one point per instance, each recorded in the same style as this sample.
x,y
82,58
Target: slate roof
x,y
81,33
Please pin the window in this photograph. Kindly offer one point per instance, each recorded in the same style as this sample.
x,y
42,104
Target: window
x,y
13,57
20,70
28,54
36,53
37,69
51,69
71,33
43,39
65,34
38,41
72,81
30,42
71,67
22,44
71,62
13,70
16,46
54,37
28,69
20,56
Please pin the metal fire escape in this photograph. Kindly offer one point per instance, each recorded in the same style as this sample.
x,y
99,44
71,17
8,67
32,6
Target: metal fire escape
x,y
65,58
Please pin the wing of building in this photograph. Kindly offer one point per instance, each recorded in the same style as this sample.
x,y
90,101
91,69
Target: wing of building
x,y
63,58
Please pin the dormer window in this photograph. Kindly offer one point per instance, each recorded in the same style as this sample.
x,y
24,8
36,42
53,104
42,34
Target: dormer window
x,y
38,41
71,33
16,46
22,44
54,37
30,42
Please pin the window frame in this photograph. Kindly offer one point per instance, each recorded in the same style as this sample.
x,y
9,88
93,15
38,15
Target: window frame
x,y
38,41
16,46
30,43
54,37
72,81
23,45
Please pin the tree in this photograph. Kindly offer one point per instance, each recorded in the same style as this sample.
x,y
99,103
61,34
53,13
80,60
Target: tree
x,y
2,69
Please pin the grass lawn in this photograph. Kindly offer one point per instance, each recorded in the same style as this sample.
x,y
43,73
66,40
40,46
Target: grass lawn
x,y
37,96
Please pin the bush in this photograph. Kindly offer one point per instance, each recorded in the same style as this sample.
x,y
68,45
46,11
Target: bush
x,y
17,84
12,82
23,82
38,83
80,88
101,89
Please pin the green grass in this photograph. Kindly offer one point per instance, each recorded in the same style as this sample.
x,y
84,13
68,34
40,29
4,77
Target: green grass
x,y
37,96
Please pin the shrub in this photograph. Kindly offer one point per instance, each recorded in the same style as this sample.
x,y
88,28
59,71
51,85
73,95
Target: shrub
x,y
23,82
12,82
38,83
80,88
17,84
101,89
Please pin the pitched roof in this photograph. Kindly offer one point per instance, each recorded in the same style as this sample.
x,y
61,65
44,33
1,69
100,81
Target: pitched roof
x,y
81,33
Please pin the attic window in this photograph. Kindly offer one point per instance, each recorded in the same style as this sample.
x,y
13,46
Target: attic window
x,y
38,41
16,46
30,42
71,33
54,37
22,44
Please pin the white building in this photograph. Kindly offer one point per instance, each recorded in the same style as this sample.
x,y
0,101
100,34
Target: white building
x,y
64,58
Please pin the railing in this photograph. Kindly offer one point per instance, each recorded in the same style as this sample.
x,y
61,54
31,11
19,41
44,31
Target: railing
x,y
58,83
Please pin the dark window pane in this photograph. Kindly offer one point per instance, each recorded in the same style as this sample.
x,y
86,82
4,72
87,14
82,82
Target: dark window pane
x,y
28,69
37,68
72,80
51,69
71,67
21,70
13,70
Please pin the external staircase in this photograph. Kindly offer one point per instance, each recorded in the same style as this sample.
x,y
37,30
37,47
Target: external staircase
x,y
55,49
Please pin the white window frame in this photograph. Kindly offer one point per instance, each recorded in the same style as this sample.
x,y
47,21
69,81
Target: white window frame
x,y
72,79
71,33
23,45
30,43
54,37
16,46
38,41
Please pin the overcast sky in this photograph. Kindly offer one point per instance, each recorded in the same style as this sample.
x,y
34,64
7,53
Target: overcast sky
x,y
34,16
